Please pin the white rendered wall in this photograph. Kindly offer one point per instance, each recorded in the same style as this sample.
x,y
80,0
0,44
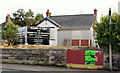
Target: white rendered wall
x,y
92,37
74,34
81,35
63,34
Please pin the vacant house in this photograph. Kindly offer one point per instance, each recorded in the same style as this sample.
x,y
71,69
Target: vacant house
x,y
70,30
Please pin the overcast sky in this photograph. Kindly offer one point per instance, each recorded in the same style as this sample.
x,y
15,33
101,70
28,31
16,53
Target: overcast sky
x,y
58,7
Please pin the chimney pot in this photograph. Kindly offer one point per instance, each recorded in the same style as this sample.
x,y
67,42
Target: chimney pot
x,y
47,13
8,19
8,15
95,12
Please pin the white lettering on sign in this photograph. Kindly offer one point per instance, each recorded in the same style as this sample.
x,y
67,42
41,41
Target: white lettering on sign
x,y
44,28
33,28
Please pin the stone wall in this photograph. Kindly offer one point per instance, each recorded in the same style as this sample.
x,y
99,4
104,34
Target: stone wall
x,y
35,56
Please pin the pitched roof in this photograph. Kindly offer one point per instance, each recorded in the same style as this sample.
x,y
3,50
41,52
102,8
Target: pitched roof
x,y
82,21
53,22
3,24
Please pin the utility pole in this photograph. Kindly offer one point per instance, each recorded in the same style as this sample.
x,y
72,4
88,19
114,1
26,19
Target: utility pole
x,y
110,49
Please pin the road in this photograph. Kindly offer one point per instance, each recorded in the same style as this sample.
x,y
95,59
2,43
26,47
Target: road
x,y
15,68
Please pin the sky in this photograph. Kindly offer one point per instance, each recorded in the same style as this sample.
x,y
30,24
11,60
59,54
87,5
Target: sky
x,y
58,7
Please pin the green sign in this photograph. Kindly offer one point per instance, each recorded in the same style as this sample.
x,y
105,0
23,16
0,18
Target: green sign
x,y
90,57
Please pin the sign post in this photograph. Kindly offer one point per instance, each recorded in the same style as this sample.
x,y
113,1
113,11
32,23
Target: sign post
x,y
26,37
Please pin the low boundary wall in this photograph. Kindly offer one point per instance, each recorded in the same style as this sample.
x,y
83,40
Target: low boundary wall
x,y
35,56
57,57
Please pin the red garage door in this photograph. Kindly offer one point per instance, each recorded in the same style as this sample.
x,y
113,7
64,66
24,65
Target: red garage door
x,y
84,42
75,42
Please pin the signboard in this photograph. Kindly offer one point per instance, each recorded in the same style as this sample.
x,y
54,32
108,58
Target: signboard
x,y
38,32
21,38
38,35
35,35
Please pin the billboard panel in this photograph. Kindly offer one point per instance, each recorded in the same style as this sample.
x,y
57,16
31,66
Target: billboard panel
x,y
35,35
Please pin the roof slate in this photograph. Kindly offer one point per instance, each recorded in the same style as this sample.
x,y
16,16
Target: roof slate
x,y
75,22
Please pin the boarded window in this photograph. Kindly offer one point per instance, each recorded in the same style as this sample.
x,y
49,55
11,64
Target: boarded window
x,y
52,33
67,42
84,42
75,42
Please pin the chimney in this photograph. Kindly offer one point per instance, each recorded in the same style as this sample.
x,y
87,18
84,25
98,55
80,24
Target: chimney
x,y
95,12
47,13
8,19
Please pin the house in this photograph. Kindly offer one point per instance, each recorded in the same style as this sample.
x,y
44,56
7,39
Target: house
x,y
70,30
8,19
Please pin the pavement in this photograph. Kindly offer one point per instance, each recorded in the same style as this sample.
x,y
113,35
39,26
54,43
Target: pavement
x,y
44,69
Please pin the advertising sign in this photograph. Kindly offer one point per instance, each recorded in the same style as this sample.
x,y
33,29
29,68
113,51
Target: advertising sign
x,y
35,35
21,35
38,35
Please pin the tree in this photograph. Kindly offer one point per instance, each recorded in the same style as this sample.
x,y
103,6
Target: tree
x,y
105,36
39,17
19,16
23,18
9,32
118,28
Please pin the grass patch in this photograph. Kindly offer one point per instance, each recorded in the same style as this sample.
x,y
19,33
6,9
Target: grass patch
x,y
39,47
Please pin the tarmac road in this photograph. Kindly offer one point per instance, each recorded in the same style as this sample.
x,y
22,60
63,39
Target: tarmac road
x,y
15,68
